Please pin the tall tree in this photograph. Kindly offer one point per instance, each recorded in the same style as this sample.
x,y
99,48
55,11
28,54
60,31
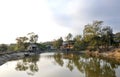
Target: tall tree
x,y
117,37
58,43
69,37
3,47
33,38
92,33
107,36
21,43
77,38
77,44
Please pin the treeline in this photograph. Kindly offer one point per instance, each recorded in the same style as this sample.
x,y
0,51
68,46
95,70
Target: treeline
x,y
95,36
22,43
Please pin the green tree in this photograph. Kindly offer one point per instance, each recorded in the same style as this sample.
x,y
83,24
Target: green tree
x,y
33,38
98,36
58,43
117,39
77,39
41,46
3,47
69,37
107,36
12,47
21,43
117,36
92,34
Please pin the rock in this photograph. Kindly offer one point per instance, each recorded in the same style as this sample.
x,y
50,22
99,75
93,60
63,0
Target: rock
x,y
26,54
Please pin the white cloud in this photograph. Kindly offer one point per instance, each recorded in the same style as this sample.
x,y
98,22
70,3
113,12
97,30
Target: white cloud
x,y
18,17
77,13
52,18
70,13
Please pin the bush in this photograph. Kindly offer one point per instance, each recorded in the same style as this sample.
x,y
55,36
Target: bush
x,y
3,47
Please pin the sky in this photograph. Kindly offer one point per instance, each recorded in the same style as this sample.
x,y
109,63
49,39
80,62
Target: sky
x,y
51,19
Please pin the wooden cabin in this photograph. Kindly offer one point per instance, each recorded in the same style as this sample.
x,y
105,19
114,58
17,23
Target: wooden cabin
x,y
32,48
67,45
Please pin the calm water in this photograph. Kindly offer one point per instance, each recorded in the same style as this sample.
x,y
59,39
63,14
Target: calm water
x,y
60,65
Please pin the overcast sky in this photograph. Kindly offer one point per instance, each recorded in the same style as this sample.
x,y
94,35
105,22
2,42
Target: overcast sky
x,y
51,19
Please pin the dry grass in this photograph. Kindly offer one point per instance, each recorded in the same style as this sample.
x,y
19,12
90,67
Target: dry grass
x,y
113,54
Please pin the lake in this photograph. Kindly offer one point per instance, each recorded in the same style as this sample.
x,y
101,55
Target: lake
x,y
60,65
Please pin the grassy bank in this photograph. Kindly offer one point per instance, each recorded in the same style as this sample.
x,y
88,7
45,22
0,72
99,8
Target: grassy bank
x,y
113,54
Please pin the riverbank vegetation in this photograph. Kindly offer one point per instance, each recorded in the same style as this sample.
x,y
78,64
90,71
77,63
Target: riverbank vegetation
x,y
22,44
96,37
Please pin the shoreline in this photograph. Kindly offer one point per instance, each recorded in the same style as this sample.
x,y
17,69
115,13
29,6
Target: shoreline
x,y
9,56
15,56
112,54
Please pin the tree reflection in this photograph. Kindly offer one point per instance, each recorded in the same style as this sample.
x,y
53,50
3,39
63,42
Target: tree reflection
x,y
58,58
70,65
91,67
28,64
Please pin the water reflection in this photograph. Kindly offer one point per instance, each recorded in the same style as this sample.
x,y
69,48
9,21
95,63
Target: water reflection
x,y
28,64
58,58
78,64
91,67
